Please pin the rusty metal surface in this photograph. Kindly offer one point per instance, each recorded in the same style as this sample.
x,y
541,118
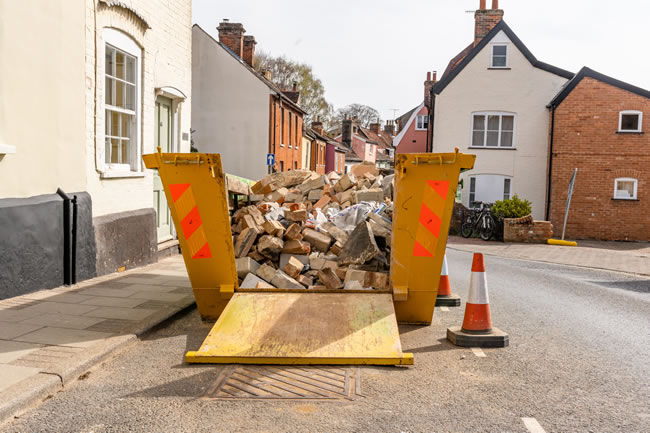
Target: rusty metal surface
x,y
286,383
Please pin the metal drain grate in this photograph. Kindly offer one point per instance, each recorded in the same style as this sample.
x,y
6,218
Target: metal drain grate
x,y
267,382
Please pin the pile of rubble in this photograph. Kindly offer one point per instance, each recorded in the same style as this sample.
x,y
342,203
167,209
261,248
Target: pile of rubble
x,y
305,230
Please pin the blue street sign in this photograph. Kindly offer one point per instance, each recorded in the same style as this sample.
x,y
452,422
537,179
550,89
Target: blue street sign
x,y
270,159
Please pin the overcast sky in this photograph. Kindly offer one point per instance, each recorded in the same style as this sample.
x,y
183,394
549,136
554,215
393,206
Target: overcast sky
x,y
377,52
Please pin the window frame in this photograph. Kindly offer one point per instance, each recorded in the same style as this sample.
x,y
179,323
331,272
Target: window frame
x,y
509,181
507,55
486,114
123,42
626,179
628,112
417,118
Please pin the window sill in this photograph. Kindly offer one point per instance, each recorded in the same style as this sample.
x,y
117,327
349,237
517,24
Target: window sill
x,y
492,148
421,129
121,174
631,132
496,68
5,148
625,199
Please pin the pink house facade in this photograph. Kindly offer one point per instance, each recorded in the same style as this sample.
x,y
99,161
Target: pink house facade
x,y
412,137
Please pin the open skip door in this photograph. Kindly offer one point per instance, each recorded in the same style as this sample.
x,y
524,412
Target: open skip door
x,y
272,326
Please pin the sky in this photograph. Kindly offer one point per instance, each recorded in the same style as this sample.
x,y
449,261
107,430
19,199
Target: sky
x,y
377,52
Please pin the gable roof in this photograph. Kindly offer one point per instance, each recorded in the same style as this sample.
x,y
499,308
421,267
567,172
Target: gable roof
x,y
456,60
501,26
402,132
270,84
403,119
586,72
381,139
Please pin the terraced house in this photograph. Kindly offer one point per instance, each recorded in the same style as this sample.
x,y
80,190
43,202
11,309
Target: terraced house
x,y
94,86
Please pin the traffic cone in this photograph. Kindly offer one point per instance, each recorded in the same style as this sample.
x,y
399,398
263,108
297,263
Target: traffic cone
x,y
445,298
477,329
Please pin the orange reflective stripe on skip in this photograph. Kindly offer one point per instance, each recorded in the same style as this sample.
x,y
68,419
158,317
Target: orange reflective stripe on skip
x,y
203,253
477,317
432,207
478,265
430,220
191,222
177,190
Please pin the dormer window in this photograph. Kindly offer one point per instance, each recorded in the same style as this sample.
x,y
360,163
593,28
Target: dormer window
x,y
630,121
499,56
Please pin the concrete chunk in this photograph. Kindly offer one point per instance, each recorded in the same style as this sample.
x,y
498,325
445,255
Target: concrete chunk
x,y
284,259
335,232
266,272
245,265
250,281
370,195
360,247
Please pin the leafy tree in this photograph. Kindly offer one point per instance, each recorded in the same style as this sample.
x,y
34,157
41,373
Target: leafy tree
x,y
363,113
286,72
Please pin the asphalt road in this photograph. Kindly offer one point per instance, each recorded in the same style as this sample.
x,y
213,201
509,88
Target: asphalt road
x,y
578,361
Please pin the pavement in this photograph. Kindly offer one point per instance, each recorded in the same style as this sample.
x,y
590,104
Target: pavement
x,y
578,361
50,337
629,257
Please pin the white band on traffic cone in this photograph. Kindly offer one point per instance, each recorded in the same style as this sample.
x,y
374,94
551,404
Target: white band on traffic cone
x,y
478,293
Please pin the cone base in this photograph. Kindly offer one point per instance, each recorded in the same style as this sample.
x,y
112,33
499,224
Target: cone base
x,y
448,301
495,338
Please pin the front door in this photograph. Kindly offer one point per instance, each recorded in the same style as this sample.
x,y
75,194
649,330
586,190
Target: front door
x,y
162,138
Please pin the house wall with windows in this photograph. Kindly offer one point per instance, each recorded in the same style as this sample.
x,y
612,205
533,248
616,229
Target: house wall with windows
x,y
286,140
82,60
520,90
604,131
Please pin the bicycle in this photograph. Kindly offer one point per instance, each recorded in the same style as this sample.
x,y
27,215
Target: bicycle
x,y
479,221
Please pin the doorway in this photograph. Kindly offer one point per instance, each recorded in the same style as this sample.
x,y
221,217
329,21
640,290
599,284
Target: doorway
x,y
162,137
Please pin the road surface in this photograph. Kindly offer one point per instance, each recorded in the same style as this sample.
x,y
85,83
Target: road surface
x,y
578,361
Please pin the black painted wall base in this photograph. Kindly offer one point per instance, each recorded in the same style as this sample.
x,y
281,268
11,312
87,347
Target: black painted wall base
x,y
32,239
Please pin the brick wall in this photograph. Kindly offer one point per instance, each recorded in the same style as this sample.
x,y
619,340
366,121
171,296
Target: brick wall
x,y
526,230
286,129
586,137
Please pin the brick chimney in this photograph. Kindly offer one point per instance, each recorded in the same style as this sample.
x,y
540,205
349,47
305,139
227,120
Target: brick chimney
x,y
375,127
347,127
389,127
486,19
232,36
317,126
428,84
249,50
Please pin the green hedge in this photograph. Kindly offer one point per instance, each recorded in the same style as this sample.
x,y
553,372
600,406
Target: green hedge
x,y
512,208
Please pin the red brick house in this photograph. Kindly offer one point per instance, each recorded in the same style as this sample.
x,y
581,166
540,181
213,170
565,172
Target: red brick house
x,y
353,137
286,130
318,151
601,126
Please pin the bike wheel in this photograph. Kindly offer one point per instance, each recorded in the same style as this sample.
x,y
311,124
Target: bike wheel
x,y
487,228
466,229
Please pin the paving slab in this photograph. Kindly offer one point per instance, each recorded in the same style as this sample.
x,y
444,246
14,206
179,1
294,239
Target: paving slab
x,y
134,314
11,315
156,287
158,296
63,321
64,337
9,331
59,307
12,350
106,291
106,301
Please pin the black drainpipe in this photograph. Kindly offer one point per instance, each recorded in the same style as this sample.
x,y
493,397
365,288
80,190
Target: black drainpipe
x,y
550,166
431,120
69,238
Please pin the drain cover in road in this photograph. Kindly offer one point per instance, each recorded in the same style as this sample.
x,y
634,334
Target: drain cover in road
x,y
314,383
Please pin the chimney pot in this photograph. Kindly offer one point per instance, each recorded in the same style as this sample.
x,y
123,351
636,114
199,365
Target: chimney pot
x,y
232,36
435,76
495,4
482,5
294,88
428,76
